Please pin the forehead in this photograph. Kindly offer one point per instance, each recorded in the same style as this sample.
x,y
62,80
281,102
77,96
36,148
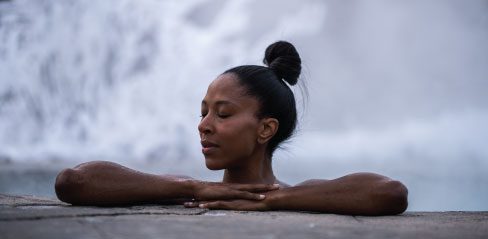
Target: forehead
x,y
225,84
227,88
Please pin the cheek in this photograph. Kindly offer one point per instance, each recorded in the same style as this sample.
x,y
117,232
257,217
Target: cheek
x,y
239,139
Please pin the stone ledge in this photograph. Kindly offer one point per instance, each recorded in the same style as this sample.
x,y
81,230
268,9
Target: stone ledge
x,y
35,217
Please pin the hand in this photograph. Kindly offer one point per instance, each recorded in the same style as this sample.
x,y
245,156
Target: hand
x,y
209,191
239,204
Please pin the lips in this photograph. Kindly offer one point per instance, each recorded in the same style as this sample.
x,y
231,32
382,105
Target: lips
x,y
207,144
208,147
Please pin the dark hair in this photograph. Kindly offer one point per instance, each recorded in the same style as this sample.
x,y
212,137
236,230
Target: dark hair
x,y
268,85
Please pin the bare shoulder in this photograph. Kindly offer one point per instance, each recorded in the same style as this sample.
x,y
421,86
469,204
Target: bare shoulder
x,y
177,177
312,182
365,176
352,176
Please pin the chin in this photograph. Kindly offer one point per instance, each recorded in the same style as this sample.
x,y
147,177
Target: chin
x,y
212,165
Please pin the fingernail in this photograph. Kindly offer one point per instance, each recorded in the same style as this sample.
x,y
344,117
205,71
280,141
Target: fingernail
x,y
276,185
261,196
201,205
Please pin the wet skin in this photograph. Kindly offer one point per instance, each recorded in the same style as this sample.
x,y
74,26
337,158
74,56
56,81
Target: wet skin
x,y
233,139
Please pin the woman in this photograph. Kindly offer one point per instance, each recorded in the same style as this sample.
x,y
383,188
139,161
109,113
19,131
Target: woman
x,y
247,112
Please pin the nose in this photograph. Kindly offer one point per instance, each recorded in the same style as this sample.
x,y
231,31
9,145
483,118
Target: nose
x,y
205,125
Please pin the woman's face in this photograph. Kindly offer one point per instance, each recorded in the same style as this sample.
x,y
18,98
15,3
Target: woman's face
x,y
229,126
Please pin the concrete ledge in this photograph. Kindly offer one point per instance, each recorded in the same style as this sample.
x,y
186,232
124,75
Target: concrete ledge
x,y
34,217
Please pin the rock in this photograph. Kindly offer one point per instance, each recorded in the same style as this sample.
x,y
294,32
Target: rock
x,y
34,217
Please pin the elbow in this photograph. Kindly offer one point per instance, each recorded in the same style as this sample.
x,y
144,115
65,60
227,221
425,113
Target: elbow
x,y
392,198
68,185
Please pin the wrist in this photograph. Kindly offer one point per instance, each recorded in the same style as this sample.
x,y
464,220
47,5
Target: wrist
x,y
181,187
274,199
191,188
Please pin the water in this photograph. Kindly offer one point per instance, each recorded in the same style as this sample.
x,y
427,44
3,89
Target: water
x,y
396,88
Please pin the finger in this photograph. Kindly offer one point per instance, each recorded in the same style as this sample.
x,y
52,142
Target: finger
x,y
216,205
194,204
256,187
230,194
242,205
190,204
248,195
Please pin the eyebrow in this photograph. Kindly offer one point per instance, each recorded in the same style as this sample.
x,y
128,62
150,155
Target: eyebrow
x,y
220,102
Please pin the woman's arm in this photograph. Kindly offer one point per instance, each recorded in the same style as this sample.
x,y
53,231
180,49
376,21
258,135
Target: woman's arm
x,y
354,194
106,183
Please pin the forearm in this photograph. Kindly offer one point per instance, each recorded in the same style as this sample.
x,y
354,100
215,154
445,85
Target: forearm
x,y
105,183
352,195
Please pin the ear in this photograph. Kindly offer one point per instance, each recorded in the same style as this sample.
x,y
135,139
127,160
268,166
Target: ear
x,y
267,129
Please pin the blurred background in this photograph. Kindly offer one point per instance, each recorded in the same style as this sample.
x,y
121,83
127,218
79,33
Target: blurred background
x,y
394,87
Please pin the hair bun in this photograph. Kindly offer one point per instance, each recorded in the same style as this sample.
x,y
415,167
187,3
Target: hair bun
x,y
282,58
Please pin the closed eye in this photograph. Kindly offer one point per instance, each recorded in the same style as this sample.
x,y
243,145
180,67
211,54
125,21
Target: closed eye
x,y
223,116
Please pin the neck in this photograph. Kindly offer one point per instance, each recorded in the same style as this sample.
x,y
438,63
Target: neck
x,y
257,170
